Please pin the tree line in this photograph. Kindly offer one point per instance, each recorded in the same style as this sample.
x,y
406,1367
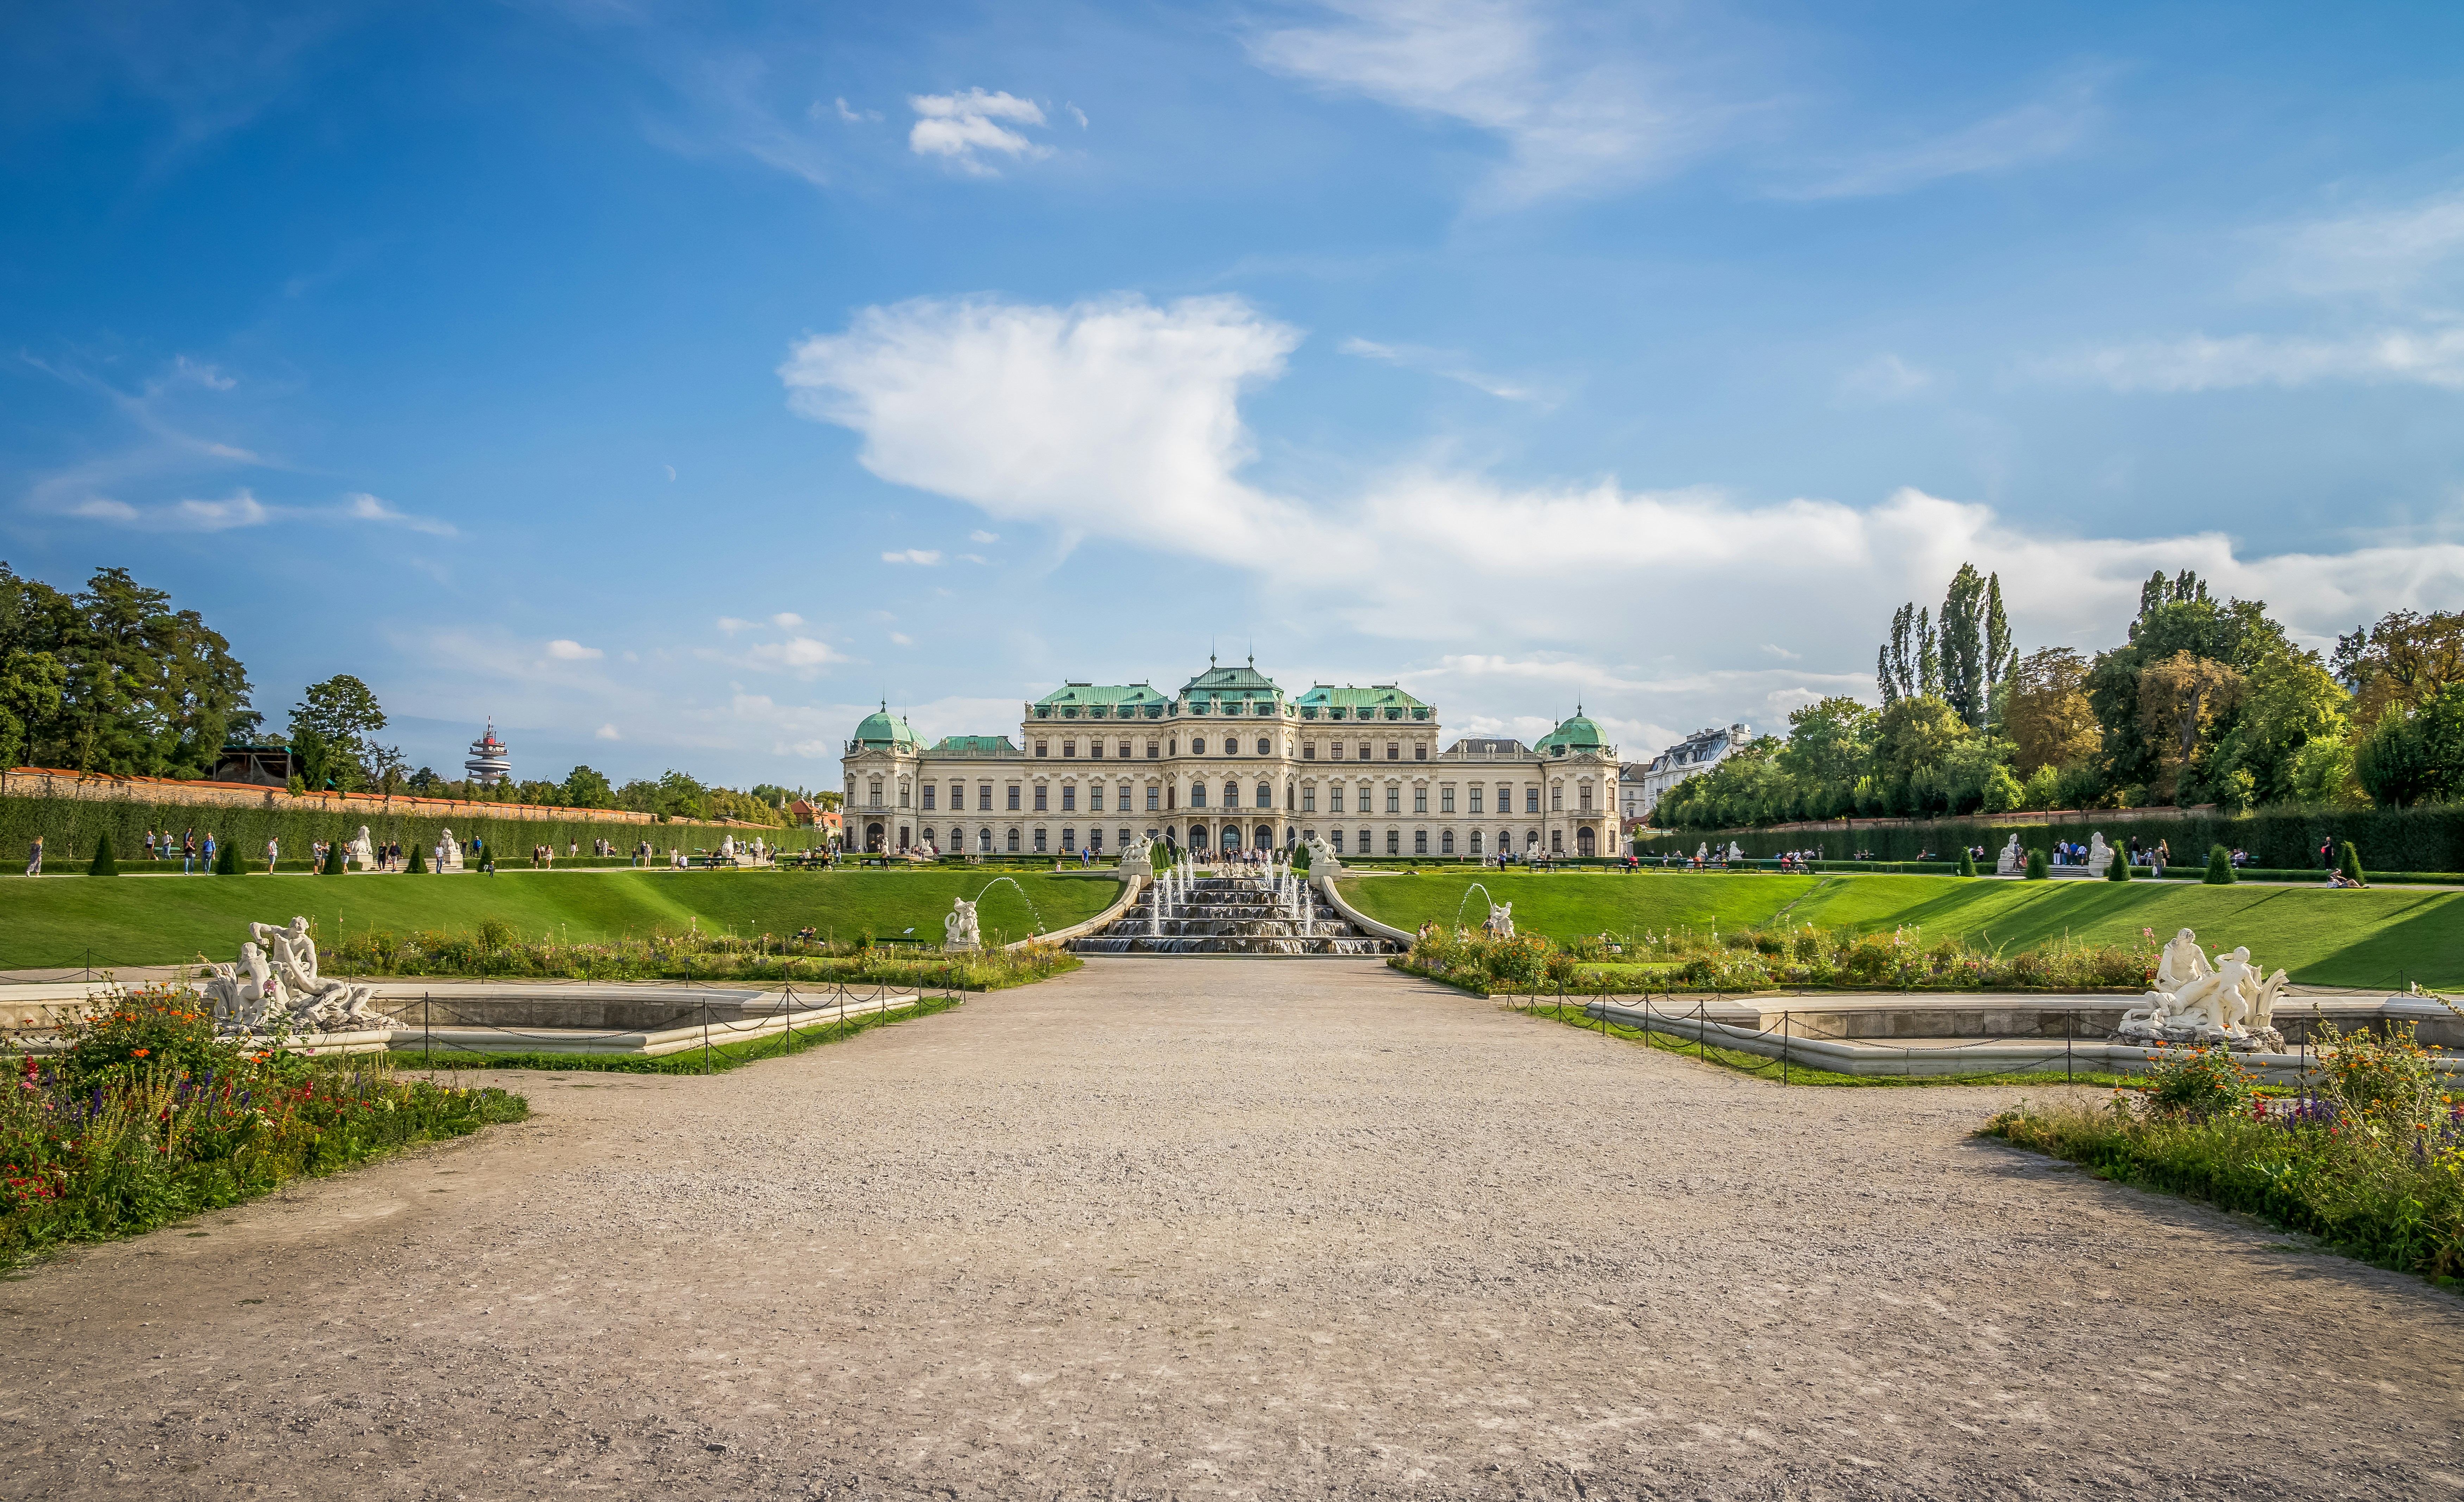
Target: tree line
x,y
2203,702
113,679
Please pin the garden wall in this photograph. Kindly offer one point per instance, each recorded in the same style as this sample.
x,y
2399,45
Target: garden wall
x,y
70,812
2425,839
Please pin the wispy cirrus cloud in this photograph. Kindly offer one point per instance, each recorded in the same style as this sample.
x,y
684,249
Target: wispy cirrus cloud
x,y
241,509
1578,106
1446,364
2199,363
2040,130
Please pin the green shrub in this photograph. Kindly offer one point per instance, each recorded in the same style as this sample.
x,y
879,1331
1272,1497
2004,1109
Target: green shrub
x,y
1966,861
2220,866
2384,1088
104,863
495,934
226,859
418,865
2038,869
333,866
154,1026
2200,1083
2119,869
2348,861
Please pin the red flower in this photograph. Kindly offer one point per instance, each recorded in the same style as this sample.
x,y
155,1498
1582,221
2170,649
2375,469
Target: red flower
x,y
141,1052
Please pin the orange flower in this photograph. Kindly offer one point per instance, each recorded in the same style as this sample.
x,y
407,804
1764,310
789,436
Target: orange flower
x,y
141,1052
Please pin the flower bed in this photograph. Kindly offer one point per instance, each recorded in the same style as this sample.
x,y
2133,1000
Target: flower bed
x,y
1763,960
2371,1162
147,1117
496,949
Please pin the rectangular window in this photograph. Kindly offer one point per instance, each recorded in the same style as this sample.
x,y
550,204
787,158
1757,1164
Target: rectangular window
x,y
1420,800
1338,842
1151,798
903,795
1309,800
1042,794
1364,750
1151,752
1394,751
1364,842
1584,798
1013,797
1474,791
1197,795
928,797
1068,800
1419,751
1335,752
1446,799
1039,842
1069,748
1039,749
1505,798
1095,798
1095,748
1069,839
1125,750
984,797
1394,800
1531,798
1334,799
1556,799
1394,842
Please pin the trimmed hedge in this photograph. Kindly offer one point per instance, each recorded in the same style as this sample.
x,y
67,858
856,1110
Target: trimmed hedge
x,y
77,824
2430,837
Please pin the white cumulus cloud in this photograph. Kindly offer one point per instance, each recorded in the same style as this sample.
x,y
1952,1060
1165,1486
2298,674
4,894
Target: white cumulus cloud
x,y
565,650
608,732
958,126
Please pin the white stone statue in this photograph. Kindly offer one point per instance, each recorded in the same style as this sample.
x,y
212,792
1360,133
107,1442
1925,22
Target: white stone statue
x,y
363,850
448,851
958,928
2013,861
2100,856
727,847
274,988
1735,855
2194,1001
2182,962
1702,853
1500,923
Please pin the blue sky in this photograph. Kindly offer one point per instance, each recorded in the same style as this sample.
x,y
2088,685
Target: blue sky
x,y
674,382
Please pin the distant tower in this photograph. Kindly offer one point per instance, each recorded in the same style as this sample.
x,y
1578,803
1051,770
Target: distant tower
x,y
489,766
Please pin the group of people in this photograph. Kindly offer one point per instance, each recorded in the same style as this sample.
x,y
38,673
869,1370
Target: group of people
x,y
2156,856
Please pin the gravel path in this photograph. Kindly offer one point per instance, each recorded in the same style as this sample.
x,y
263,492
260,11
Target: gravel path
x,y
1199,1229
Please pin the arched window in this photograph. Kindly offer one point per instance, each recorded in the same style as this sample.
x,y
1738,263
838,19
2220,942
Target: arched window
x,y
1394,842
984,841
1262,745
1013,842
1585,842
1231,793
1266,796
1419,842
1039,842
1475,842
1263,836
1445,842
1556,841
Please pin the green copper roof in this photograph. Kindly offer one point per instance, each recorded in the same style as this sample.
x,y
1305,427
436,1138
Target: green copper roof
x,y
993,746
882,728
1577,733
1102,693
1377,701
1244,682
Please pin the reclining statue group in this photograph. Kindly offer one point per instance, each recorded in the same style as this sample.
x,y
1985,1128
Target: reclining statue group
x,y
2196,1002
274,987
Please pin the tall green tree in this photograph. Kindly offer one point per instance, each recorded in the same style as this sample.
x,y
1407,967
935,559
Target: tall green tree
x,y
334,728
131,685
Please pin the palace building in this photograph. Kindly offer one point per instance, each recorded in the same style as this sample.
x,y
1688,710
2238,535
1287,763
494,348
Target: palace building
x,y
1229,762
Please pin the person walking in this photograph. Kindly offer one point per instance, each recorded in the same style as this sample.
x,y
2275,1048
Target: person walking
x,y
273,855
209,850
2163,853
35,857
187,851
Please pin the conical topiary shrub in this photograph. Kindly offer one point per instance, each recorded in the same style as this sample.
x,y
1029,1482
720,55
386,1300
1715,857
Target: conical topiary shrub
x,y
2038,869
2220,866
333,859
227,860
1966,861
2348,862
2119,869
418,861
104,863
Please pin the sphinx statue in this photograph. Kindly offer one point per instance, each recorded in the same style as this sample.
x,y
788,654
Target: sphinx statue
x,y
2013,861
363,851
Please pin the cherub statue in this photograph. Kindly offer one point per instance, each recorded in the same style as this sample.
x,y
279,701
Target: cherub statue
x,y
1500,923
958,927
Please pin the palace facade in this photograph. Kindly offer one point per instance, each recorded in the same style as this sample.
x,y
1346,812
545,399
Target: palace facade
x,y
1227,762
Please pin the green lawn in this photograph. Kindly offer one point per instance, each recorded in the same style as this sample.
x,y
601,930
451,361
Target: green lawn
x,y
136,921
2380,936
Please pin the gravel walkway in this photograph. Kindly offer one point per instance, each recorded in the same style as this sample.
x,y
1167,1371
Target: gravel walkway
x,y
1199,1229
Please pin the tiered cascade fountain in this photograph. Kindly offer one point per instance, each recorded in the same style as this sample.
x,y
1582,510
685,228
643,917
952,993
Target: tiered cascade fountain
x,y
1188,910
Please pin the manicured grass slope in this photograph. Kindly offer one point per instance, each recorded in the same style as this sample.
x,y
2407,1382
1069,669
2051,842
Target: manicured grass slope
x,y
131,920
2374,938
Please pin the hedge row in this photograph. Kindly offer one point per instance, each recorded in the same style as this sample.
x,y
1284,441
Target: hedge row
x,y
71,826
2430,838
